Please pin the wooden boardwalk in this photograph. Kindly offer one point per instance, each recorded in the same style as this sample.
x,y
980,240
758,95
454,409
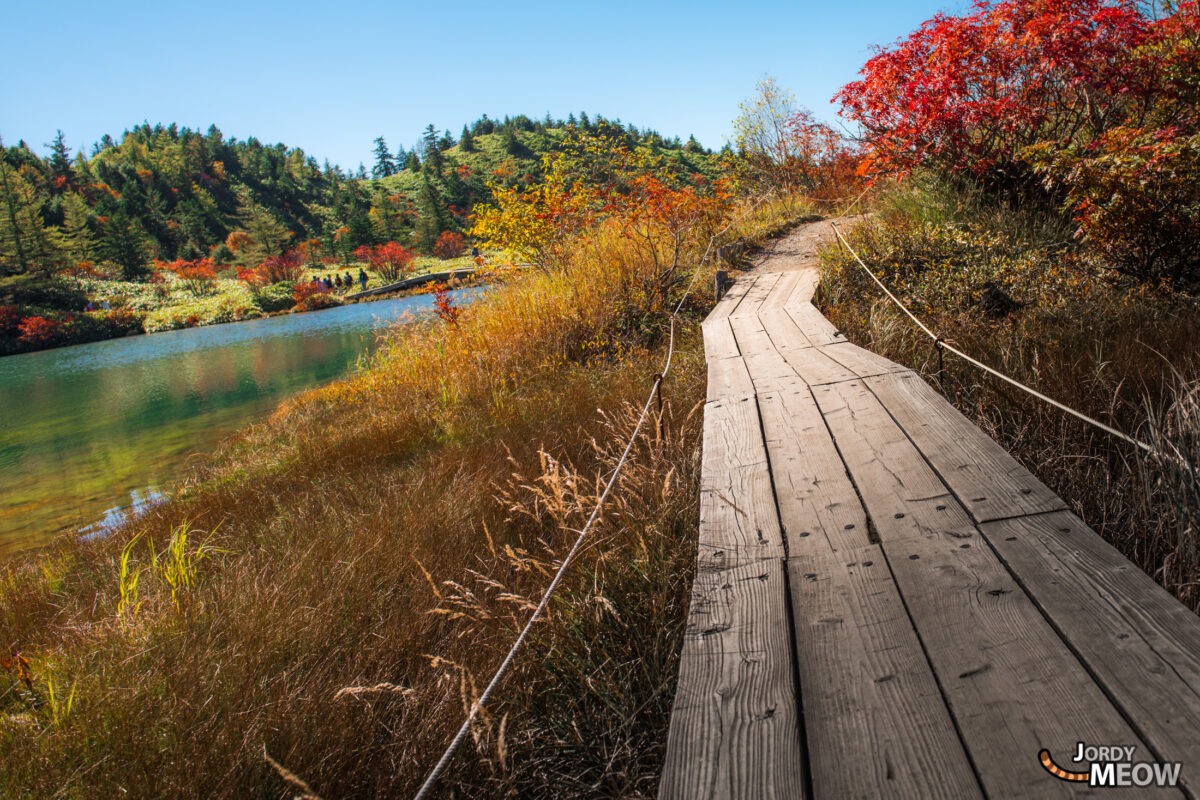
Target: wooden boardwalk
x,y
886,603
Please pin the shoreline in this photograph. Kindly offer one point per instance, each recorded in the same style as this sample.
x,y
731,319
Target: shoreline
x,y
427,287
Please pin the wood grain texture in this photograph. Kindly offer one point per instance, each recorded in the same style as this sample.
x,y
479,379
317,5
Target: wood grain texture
x,y
805,287
782,290
719,341
872,709
1140,642
728,378
783,328
1012,684
862,363
756,294
989,482
733,296
738,519
814,366
734,730
818,329
818,506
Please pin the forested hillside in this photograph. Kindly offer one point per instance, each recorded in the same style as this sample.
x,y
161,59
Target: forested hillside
x,y
165,192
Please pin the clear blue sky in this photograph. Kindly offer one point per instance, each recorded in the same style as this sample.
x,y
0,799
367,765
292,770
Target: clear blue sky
x,y
331,77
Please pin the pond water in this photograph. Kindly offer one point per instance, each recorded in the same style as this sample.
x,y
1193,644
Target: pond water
x,y
86,431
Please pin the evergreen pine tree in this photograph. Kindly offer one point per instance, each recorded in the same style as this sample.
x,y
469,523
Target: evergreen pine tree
x,y
14,236
123,243
76,234
268,236
413,164
466,142
431,151
457,192
60,157
512,145
384,165
432,216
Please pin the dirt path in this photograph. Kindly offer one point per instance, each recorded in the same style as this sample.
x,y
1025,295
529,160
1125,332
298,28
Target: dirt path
x,y
798,250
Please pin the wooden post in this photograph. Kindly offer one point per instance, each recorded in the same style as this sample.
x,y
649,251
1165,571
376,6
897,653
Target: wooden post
x,y
719,283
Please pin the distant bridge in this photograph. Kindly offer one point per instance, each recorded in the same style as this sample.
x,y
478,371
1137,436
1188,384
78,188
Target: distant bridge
x,y
419,280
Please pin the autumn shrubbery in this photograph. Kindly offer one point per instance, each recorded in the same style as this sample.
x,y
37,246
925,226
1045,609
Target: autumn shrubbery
x,y
1036,203
1085,105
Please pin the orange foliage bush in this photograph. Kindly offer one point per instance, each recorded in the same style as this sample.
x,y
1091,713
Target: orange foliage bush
x,y
449,245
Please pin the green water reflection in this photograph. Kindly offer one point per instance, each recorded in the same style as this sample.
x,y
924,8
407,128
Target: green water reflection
x,y
88,428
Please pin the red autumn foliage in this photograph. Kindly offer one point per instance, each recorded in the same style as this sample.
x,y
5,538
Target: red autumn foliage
x,y
39,330
10,321
254,279
390,260
449,245
285,267
968,93
443,305
198,276
310,295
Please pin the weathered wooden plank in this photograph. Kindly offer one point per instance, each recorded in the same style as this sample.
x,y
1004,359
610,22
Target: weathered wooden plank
x,y
805,287
734,729
728,377
876,723
862,363
815,367
817,503
733,296
1140,642
783,329
1012,684
818,329
768,369
751,336
782,291
719,341
738,519
983,476
756,295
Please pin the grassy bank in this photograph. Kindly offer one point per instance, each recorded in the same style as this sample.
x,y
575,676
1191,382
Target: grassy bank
x,y
122,307
339,581
1016,290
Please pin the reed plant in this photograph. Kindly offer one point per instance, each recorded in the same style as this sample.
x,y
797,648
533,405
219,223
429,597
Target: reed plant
x,y
320,601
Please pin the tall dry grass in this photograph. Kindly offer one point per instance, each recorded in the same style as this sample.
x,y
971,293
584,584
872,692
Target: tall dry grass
x,y
1118,352
328,593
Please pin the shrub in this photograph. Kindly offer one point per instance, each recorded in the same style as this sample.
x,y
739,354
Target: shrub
x,y
310,296
449,245
390,260
10,321
969,93
40,331
443,305
276,297
286,267
1136,197
33,290
199,277
255,279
